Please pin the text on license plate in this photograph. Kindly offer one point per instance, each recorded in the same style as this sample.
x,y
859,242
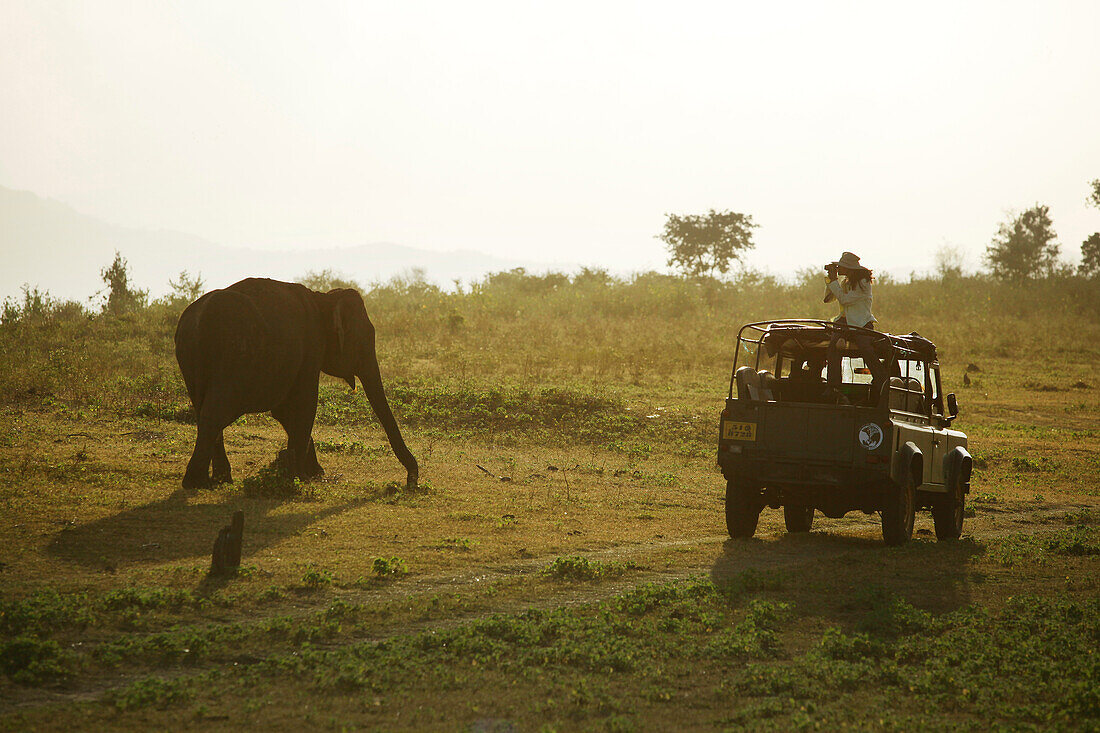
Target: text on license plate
x,y
738,430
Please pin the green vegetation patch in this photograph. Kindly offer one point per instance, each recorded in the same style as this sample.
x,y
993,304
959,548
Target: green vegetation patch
x,y
581,568
627,634
28,659
49,611
732,646
1033,661
273,481
388,567
149,692
755,636
1037,549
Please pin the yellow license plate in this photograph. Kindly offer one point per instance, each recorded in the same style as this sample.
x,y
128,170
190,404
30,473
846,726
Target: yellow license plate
x,y
738,430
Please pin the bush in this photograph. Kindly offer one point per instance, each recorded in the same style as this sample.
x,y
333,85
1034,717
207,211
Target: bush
x,y
388,567
28,659
581,568
520,351
37,306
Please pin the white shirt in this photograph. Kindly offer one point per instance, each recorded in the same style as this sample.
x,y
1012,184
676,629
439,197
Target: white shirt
x,y
855,304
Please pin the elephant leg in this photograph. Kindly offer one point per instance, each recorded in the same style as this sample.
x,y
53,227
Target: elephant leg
x,y
209,445
296,416
293,449
311,464
197,475
222,474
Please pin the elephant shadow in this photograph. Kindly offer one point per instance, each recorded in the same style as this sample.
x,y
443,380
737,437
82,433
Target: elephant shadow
x,y
174,528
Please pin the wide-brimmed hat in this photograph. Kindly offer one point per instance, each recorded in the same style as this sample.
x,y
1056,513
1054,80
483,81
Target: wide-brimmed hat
x,y
849,262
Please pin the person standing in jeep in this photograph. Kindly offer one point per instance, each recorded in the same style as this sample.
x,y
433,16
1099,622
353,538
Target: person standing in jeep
x,y
853,294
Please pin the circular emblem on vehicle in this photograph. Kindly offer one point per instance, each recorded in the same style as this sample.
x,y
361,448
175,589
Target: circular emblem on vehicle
x,y
870,436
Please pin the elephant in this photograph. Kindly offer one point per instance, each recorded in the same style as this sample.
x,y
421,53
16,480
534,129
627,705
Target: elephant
x,y
260,345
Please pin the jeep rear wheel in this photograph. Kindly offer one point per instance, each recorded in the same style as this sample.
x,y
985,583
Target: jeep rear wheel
x,y
798,518
898,511
742,508
947,512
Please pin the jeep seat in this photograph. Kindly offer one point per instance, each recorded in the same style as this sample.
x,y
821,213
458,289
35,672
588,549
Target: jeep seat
x,y
916,394
906,394
769,386
748,384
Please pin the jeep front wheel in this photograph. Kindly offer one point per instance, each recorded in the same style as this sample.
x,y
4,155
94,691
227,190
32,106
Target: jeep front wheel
x,y
742,508
798,518
898,510
947,512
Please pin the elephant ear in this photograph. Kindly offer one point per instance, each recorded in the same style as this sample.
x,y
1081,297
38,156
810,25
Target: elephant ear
x,y
341,314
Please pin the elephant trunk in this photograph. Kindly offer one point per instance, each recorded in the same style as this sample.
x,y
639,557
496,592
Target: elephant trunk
x,y
371,378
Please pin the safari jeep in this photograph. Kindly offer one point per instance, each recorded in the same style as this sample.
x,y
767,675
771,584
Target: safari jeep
x,y
788,438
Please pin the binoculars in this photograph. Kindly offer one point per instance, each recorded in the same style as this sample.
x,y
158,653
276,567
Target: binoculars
x,y
831,268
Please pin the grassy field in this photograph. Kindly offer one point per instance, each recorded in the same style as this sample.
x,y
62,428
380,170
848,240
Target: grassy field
x,y
564,564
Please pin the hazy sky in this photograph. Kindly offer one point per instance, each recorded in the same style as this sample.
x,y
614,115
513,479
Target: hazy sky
x,y
559,131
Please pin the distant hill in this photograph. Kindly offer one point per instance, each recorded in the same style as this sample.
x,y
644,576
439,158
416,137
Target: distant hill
x,y
50,245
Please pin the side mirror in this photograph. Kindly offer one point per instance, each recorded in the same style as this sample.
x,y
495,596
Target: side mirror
x,y
952,406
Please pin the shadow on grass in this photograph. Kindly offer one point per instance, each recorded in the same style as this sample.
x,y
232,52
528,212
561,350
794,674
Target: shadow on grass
x,y
848,580
184,525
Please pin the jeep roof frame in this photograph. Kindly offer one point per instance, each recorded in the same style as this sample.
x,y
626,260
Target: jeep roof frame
x,y
912,346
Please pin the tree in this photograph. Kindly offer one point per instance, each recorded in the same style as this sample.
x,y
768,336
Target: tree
x,y
123,298
1090,248
1090,256
949,263
327,280
1024,246
700,245
186,289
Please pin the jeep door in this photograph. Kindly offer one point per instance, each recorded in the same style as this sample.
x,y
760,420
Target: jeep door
x,y
940,440
909,412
